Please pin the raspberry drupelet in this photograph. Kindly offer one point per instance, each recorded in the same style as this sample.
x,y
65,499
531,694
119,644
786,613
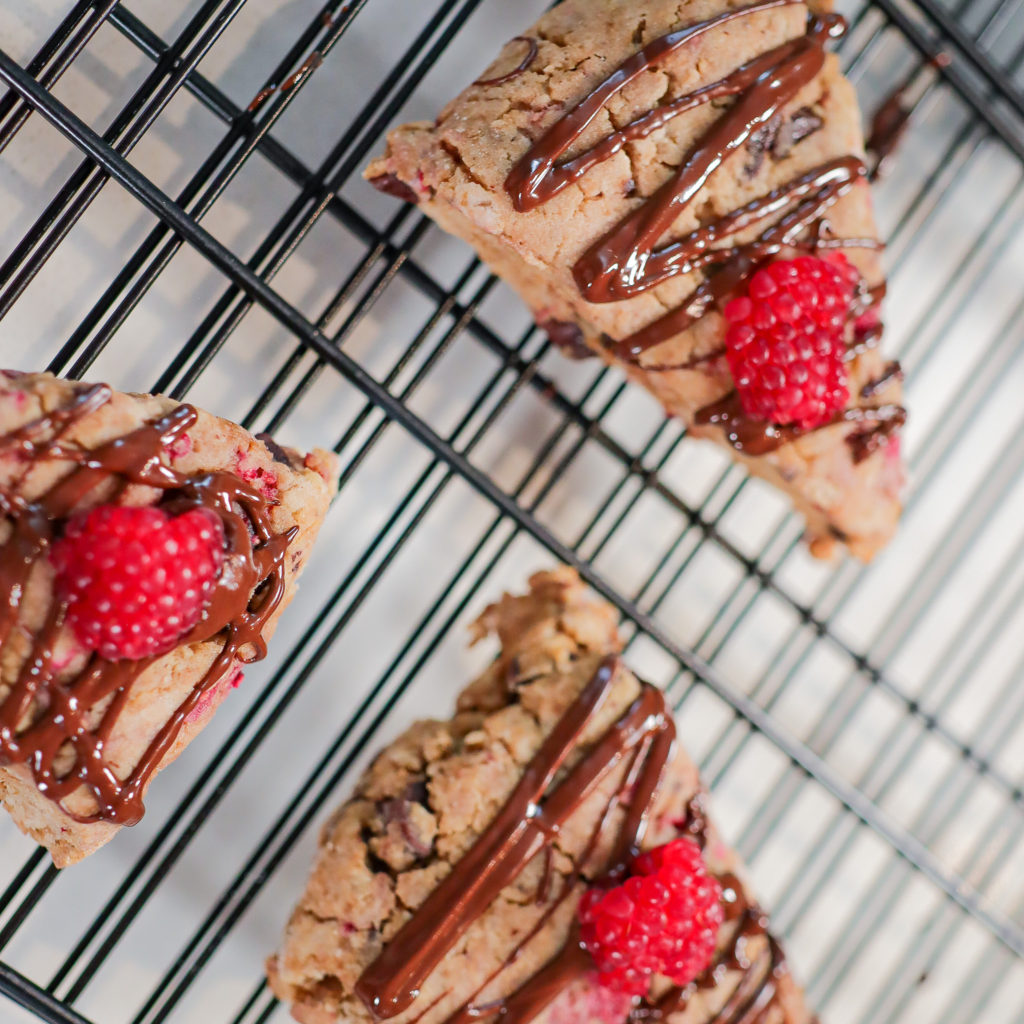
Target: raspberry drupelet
x,y
663,919
136,580
786,342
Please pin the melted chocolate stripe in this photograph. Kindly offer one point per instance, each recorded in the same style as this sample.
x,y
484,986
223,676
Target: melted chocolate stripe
x,y
756,990
624,264
529,57
864,341
816,190
757,437
524,828
528,821
523,1005
693,253
820,188
881,423
637,790
544,986
752,997
46,722
538,177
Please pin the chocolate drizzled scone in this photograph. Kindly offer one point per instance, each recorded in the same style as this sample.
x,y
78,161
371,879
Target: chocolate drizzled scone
x,y
147,549
447,889
628,168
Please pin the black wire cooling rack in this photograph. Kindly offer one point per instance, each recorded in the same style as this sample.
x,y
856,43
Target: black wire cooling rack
x,y
200,228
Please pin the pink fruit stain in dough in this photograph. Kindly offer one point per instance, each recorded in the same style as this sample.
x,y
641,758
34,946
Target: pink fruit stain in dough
x,y
213,696
591,1003
180,447
262,479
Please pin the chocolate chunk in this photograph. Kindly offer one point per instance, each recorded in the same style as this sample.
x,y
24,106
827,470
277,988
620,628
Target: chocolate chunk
x,y
278,453
777,137
391,185
803,123
399,812
416,792
393,811
512,672
761,141
567,337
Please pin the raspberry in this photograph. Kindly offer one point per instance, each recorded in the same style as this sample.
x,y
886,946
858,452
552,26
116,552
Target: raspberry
x,y
136,579
663,919
786,340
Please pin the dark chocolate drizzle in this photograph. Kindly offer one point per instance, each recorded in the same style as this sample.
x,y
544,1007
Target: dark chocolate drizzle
x,y
757,989
694,823
48,720
892,119
627,262
528,821
528,58
778,137
538,176
893,371
883,422
754,437
757,437
888,128
643,740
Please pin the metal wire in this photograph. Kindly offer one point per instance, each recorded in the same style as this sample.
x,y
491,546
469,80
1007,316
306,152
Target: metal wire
x,y
979,88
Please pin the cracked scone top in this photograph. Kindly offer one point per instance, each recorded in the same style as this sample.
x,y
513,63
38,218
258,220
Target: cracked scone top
x,y
81,735
446,889
627,167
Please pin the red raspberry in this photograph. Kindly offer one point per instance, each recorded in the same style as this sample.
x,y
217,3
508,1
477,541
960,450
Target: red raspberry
x,y
786,340
663,919
135,579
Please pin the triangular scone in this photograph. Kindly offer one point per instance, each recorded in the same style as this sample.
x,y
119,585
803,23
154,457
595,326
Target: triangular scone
x,y
66,447
446,889
567,210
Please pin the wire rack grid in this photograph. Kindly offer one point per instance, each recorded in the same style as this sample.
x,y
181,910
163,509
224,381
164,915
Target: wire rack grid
x,y
182,211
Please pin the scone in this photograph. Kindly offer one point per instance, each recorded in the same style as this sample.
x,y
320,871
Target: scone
x,y
147,549
473,873
629,169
